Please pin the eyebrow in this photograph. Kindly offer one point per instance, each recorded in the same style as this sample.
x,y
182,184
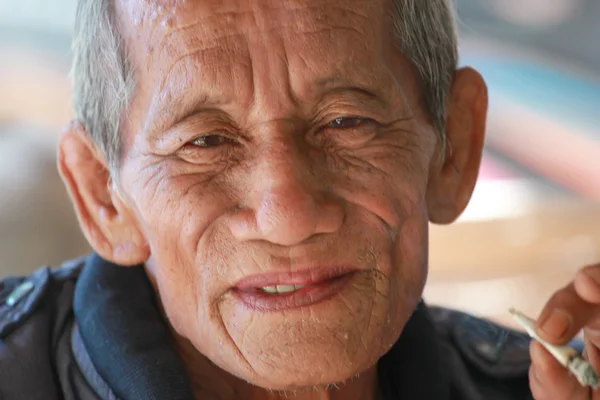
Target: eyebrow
x,y
335,85
180,108
336,82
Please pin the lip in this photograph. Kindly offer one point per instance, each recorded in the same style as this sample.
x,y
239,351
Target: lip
x,y
320,285
302,277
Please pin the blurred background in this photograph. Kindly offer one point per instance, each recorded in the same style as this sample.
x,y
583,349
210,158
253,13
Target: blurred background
x,y
534,218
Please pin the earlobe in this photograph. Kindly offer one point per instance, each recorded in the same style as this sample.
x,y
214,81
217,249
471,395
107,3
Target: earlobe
x,y
451,184
105,220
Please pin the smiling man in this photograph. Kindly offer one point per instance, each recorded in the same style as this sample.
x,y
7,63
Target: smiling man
x,y
256,178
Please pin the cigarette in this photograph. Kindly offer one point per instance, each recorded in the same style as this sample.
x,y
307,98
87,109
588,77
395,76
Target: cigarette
x,y
565,355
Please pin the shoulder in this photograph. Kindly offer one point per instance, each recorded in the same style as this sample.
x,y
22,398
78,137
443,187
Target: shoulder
x,y
489,359
498,350
22,296
35,320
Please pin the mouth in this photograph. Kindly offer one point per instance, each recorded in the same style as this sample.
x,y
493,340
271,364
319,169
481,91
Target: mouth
x,y
279,292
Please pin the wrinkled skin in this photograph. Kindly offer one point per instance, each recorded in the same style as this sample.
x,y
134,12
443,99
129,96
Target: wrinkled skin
x,y
233,164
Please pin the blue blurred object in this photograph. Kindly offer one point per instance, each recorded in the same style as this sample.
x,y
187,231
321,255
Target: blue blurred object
x,y
564,97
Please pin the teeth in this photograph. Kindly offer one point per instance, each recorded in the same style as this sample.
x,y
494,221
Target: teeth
x,y
270,289
285,288
281,288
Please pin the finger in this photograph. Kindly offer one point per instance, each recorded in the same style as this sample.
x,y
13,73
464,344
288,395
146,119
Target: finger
x,y
535,385
587,284
592,354
591,351
549,380
564,315
587,287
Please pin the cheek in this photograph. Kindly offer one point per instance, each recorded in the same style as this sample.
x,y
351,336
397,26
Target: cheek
x,y
387,185
391,187
177,208
179,218
398,201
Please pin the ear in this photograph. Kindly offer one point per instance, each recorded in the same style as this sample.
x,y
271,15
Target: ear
x,y
107,222
452,181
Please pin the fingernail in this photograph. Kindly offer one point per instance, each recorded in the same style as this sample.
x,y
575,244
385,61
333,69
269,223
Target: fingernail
x,y
556,324
594,274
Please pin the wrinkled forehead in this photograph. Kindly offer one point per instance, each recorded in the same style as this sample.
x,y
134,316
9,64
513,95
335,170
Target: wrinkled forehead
x,y
148,20
254,55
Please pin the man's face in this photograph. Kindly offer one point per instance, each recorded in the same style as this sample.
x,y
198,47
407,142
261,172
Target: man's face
x,y
278,143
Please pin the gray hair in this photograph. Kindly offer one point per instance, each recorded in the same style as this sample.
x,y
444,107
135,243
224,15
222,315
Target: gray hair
x,y
426,33
103,76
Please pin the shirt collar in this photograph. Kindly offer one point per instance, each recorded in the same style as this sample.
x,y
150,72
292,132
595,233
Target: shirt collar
x,y
129,346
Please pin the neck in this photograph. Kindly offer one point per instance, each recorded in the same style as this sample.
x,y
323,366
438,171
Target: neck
x,y
210,382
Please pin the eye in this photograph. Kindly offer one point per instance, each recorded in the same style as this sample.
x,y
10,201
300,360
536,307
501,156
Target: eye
x,y
209,141
347,122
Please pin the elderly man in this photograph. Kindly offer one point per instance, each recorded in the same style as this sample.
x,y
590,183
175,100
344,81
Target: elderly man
x,y
256,178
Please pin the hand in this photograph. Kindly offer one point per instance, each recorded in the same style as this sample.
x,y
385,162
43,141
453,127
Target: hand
x,y
572,308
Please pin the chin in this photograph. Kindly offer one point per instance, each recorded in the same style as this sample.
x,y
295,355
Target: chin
x,y
334,351
315,374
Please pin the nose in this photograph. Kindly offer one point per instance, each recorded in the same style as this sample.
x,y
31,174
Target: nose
x,y
287,203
